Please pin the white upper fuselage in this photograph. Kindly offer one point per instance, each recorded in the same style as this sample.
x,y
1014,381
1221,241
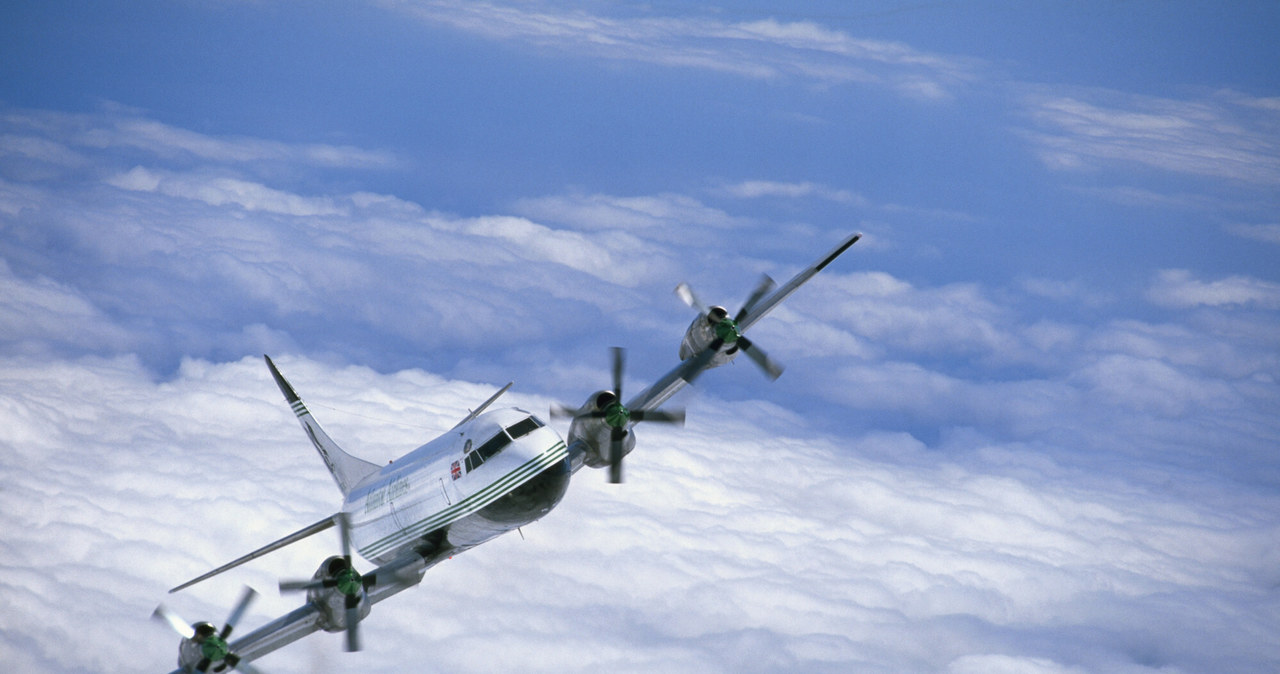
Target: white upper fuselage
x,y
455,483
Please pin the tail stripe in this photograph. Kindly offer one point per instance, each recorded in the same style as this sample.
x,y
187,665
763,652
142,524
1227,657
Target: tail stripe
x,y
347,470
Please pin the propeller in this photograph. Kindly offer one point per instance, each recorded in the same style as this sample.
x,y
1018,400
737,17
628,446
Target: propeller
x,y
349,582
617,417
728,330
213,643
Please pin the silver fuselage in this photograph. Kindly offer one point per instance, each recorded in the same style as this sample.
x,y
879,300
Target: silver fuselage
x,y
465,487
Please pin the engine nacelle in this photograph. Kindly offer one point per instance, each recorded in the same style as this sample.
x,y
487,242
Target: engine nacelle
x,y
338,582
702,331
594,432
204,645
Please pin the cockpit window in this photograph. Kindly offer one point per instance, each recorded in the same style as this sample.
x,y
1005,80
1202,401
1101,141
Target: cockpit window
x,y
488,449
499,442
524,428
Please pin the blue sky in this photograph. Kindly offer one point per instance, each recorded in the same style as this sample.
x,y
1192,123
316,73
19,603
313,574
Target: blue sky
x,y
1042,390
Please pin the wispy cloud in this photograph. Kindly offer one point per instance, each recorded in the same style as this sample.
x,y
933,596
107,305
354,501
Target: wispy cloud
x,y
33,132
756,189
1179,288
221,191
765,49
1228,136
658,215
1264,233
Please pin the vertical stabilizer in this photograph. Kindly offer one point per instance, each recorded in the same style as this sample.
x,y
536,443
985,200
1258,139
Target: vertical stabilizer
x,y
347,470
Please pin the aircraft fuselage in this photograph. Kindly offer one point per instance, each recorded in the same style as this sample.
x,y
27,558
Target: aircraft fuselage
x,y
499,471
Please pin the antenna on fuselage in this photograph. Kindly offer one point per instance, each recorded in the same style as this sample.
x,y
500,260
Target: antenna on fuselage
x,y
485,404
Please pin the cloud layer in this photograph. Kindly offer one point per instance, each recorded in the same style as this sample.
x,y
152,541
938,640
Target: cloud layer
x,y
731,548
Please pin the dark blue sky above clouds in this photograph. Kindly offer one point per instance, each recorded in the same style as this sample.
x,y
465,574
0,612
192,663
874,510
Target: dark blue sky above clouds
x,y
1035,406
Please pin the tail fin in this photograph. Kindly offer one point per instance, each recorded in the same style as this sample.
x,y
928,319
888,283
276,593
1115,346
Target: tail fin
x,y
347,470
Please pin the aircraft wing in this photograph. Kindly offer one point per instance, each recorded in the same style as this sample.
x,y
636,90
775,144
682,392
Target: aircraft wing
x,y
662,390
764,306
270,547
671,383
392,578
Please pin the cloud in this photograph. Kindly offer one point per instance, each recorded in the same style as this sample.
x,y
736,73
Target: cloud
x,y
119,128
764,49
1003,664
1224,136
662,215
1264,233
41,316
742,550
1177,288
755,189
213,250
936,360
955,318
219,191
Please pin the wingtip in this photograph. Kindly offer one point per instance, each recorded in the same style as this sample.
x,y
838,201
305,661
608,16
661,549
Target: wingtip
x,y
839,250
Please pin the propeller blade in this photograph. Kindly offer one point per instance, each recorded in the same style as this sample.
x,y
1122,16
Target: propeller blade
x,y
615,455
619,362
238,612
660,416
559,411
766,285
685,293
772,368
353,620
302,585
182,627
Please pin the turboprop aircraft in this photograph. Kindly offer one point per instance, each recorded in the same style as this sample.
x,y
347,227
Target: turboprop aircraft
x,y
495,471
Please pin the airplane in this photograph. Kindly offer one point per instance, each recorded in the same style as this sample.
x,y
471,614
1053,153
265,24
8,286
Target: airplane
x,y
493,472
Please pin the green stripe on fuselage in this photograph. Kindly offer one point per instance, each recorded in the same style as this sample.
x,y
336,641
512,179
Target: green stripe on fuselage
x,y
469,505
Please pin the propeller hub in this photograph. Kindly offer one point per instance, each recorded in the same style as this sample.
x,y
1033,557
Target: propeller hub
x,y
214,648
349,582
617,415
727,331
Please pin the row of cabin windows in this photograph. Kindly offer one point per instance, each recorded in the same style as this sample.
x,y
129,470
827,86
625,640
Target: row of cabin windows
x,y
498,442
